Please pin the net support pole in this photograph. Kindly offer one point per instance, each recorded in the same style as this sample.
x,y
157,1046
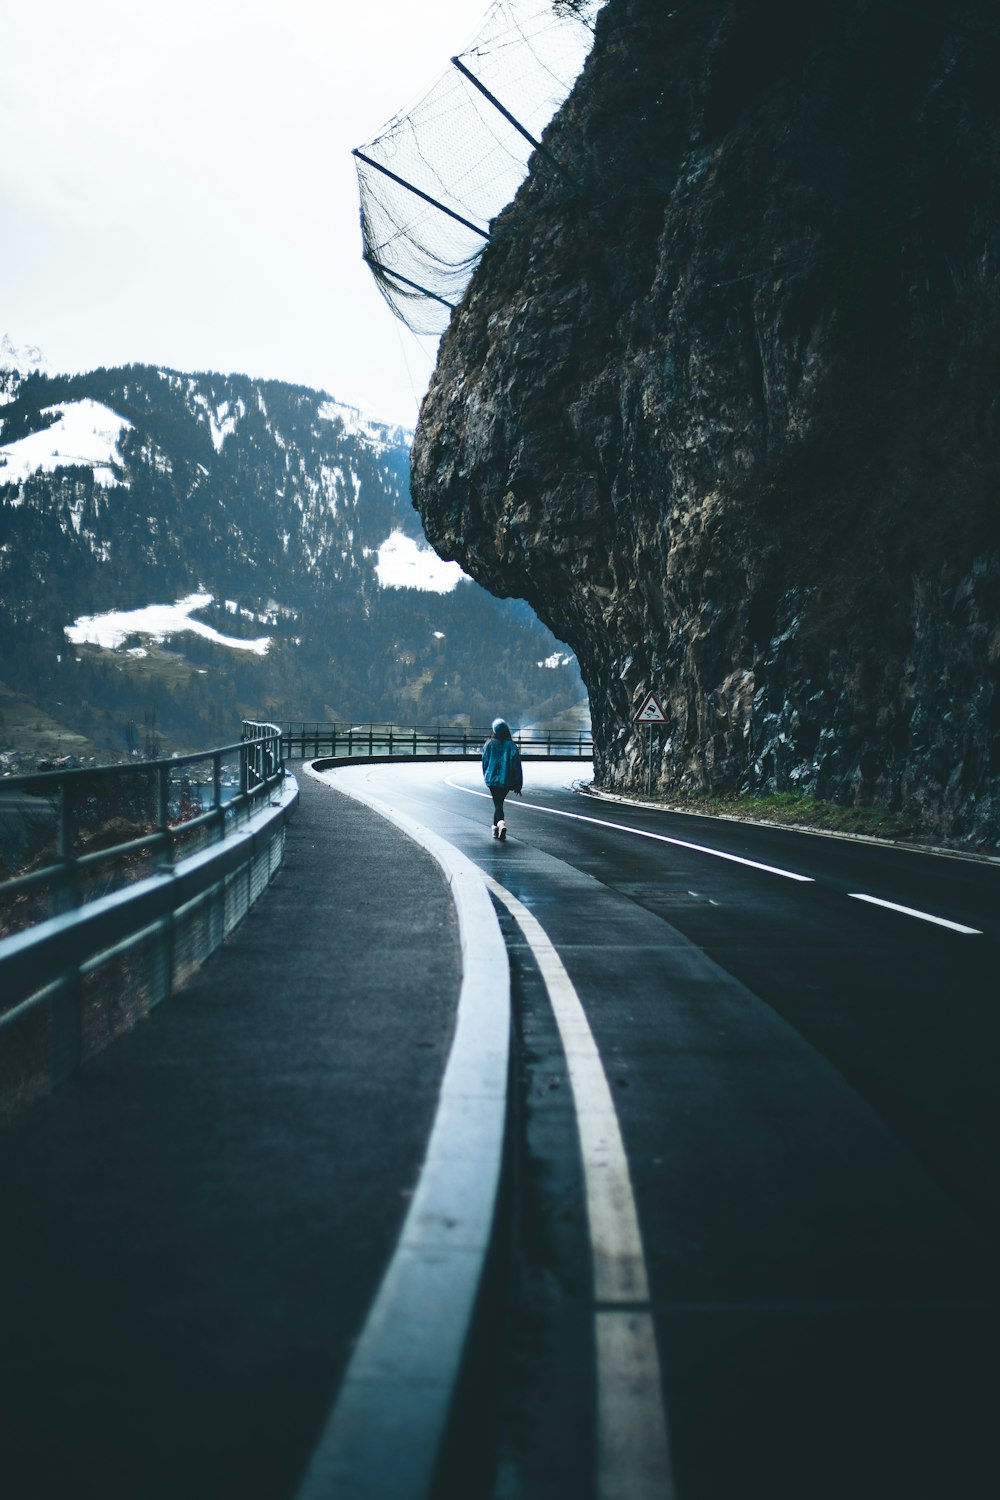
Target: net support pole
x,y
419,192
376,265
460,65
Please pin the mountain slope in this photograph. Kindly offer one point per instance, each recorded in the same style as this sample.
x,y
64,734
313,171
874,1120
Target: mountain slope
x,y
265,509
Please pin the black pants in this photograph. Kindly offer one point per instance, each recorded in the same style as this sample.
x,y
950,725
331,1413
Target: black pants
x,y
499,793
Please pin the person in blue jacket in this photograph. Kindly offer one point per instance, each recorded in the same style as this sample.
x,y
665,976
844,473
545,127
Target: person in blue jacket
x,y
501,771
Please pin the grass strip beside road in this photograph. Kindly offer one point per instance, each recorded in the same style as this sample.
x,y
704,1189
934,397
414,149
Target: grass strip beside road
x,y
797,811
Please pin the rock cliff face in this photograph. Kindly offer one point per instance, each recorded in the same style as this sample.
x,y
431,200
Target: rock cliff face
x,y
725,410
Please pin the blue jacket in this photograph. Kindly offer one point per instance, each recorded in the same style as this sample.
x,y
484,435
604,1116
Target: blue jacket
x,y
502,764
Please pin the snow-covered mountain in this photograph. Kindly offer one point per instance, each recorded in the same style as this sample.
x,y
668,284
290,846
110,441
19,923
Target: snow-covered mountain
x,y
200,546
17,361
21,359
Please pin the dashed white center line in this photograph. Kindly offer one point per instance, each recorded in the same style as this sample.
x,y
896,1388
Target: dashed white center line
x,y
911,911
663,838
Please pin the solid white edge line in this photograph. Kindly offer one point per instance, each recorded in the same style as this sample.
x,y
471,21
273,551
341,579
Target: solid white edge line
x,y
645,833
911,911
937,851
384,1435
633,1449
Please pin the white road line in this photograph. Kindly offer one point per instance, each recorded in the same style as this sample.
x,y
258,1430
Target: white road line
x,y
633,1451
662,838
384,1436
644,833
911,911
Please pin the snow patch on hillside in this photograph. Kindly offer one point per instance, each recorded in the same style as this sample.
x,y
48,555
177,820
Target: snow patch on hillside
x,y
158,621
404,564
222,419
356,423
86,432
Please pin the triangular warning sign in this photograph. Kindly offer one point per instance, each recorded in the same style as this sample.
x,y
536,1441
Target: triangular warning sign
x,y
651,711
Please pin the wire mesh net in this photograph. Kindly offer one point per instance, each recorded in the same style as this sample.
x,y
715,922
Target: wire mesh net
x,y
436,176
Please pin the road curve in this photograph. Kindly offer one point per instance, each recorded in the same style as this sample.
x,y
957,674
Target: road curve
x,y
799,1036
193,1228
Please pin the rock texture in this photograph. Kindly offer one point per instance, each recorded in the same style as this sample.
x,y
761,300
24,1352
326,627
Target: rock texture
x,y
725,409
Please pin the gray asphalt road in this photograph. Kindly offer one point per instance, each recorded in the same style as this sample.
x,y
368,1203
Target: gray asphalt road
x,y
191,1232
805,1083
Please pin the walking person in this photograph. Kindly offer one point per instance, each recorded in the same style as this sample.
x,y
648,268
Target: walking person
x,y
501,771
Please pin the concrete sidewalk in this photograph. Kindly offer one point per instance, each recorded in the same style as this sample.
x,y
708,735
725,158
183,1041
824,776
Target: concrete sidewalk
x,y
191,1232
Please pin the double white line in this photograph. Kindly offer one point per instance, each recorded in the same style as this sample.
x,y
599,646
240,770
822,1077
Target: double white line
x,y
633,1451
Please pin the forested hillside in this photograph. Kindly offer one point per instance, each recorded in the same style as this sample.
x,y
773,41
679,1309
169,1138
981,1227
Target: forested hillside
x,y
127,488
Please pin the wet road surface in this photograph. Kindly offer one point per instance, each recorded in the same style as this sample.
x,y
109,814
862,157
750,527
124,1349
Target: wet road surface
x,y
802,1058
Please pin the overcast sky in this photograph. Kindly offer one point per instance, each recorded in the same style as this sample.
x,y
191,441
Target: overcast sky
x,y
177,188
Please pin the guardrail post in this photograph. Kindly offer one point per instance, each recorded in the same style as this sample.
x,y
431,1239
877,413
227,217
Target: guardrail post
x,y
371,739
163,812
167,958
65,895
65,836
390,739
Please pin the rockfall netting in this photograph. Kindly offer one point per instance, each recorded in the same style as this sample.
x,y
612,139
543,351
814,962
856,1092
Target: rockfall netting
x,y
434,178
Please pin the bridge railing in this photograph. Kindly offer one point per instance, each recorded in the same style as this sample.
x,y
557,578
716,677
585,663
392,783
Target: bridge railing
x,y
121,880
311,739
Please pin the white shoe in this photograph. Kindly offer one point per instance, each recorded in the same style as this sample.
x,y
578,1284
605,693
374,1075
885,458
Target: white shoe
x,y
496,830
501,829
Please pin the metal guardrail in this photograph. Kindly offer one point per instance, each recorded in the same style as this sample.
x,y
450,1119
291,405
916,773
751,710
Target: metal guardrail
x,y
302,738
110,926
125,878
72,816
